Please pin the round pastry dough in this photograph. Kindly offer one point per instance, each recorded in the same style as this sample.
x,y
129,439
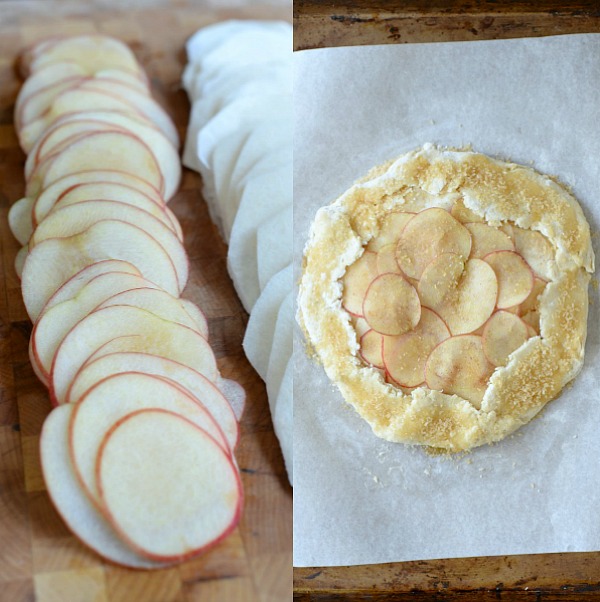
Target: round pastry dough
x,y
474,188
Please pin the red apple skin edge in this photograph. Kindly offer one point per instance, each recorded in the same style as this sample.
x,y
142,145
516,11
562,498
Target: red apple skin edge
x,y
191,553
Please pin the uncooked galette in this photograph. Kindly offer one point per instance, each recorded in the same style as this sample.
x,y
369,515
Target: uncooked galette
x,y
446,295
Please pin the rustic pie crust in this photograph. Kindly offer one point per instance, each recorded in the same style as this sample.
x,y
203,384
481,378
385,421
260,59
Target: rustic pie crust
x,y
536,222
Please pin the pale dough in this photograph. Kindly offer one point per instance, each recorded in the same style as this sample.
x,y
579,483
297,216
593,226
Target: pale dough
x,y
490,190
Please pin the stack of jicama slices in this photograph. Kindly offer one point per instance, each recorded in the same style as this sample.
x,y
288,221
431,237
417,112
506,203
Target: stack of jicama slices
x,y
137,455
239,79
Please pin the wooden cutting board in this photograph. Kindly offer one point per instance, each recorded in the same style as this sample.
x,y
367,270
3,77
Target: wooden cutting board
x,y
39,558
540,577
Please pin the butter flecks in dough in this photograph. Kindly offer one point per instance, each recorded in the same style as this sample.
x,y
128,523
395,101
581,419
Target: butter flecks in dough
x,y
480,187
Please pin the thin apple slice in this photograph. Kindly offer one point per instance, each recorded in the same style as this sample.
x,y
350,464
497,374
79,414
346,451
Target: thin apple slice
x,y
391,305
532,302
532,319
54,323
515,278
458,366
390,230
104,240
98,150
371,344
167,506
48,197
91,52
73,505
428,234
158,302
405,356
163,149
20,219
20,259
109,400
356,281
487,239
149,333
197,315
128,96
386,260
77,218
503,333
463,293
106,191
360,325
72,286
216,402
536,250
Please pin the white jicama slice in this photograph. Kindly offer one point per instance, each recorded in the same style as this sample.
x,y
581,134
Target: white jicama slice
x,y
281,348
158,302
198,385
45,201
73,505
20,220
104,240
113,398
515,278
357,280
167,506
74,219
503,333
458,366
371,348
72,286
487,239
405,356
463,293
536,250
390,230
274,244
429,234
99,150
106,191
148,333
163,149
391,305
262,198
54,323
261,325
91,52
386,259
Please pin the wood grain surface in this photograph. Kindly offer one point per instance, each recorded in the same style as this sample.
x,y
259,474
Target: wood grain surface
x,y
320,24
39,558
544,577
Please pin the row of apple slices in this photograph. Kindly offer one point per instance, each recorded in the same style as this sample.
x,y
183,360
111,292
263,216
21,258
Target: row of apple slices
x,y
126,360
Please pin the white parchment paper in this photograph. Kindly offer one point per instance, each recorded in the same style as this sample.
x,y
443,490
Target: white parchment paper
x,y
358,499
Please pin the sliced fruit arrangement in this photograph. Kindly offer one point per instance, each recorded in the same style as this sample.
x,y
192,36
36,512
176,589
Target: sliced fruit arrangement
x,y
138,453
240,139
438,300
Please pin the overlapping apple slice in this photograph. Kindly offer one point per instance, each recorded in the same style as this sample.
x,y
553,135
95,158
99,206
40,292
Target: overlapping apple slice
x,y
405,356
459,366
427,235
200,387
503,333
167,506
147,332
515,278
463,293
356,281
